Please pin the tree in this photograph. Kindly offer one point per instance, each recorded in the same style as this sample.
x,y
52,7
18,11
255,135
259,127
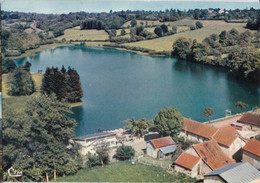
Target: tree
x,y
133,22
164,28
241,105
73,86
199,25
192,27
137,128
125,152
158,31
8,65
102,152
168,121
64,84
138,30
36,139
174,29
181,48
123,32
208,112
21,82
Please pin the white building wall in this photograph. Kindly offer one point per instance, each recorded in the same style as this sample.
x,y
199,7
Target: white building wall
x,y
150,150
89,146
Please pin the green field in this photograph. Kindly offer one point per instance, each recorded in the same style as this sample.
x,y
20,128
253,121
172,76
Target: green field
x,y
77,34
18,102
210,27
124,172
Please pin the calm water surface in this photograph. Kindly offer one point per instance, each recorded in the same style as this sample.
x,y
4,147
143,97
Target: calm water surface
x,y
119,85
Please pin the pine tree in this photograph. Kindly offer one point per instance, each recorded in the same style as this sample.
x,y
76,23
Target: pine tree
x,y
74,89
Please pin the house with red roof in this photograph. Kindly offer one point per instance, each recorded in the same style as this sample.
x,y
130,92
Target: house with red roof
x,y
251,153
251,120
226,136
202,158
188,164
161,148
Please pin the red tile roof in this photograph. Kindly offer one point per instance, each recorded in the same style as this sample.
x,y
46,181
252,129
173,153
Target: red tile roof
x,y
250,119
162,142
198,128
229,128
187,160
212,155
253,146
225,136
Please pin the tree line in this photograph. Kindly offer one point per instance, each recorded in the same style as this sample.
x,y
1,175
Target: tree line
x,y
231,49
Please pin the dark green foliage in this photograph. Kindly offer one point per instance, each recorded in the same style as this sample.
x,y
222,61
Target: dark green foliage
x,y
158,31
164,28
208,112
245,65
65,84
199,25
8,65
122,32
192,27
36,140
254,23
241,105
92,24
137,128
125,152
93,160
174,29
138,30
133,23
181,47
168,121
22,82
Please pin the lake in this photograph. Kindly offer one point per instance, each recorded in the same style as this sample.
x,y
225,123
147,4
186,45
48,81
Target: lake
x,y
119,85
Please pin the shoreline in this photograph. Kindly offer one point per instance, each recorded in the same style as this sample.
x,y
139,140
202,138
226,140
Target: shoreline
x,y
32,52
214,122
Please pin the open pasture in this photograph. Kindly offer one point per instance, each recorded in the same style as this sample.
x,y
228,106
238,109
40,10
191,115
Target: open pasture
x,y
210,27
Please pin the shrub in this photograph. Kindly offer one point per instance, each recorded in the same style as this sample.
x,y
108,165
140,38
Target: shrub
x,y
158,31
192,27
199,25
125,152
164,28
174,29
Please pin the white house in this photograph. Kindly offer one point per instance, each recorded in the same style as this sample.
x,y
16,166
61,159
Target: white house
x,y
90,142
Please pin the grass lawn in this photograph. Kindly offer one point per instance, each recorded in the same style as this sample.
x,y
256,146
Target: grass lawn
x,y
124,172
19,102
210,27
77,34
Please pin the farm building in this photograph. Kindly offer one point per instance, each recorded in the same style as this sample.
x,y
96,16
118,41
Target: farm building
x,y
233,173
188,164
251,120
251,153
161,148
211,158
90,142
225,136
196,131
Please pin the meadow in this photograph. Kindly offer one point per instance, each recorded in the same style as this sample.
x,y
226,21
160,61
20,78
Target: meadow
x,y
124,172
210,27
76,34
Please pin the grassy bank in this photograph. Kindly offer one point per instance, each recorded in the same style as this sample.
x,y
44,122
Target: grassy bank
x,y
124,172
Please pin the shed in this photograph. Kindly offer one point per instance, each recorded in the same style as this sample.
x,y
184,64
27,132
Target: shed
x,y
234,173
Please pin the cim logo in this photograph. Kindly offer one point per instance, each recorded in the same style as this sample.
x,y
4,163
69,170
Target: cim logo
x,y
14,173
